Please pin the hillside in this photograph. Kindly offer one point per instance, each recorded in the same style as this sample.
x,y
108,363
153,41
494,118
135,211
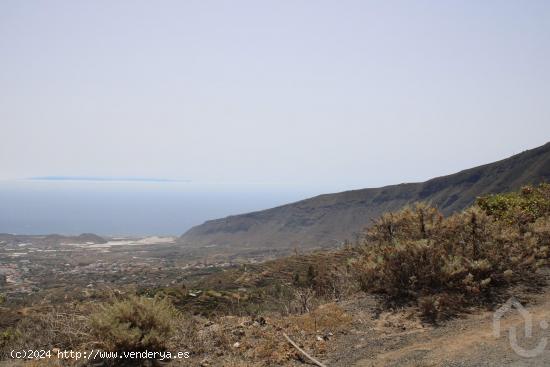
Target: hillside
x,y
330,219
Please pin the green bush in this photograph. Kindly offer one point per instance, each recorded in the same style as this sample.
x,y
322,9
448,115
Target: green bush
x,y
134,324
518,208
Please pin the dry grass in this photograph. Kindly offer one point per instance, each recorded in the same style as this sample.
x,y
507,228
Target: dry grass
x,y
247,341
63,328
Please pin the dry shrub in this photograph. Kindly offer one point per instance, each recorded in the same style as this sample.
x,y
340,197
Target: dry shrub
x,y
440,306
134,324
414,222
400,270
326,318
64,328
448,263
331,282
541,230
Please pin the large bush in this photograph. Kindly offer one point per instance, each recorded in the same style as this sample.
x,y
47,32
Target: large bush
x,y
416,254
135,324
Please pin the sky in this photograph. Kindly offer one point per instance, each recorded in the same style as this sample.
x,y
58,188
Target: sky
x,y
331,95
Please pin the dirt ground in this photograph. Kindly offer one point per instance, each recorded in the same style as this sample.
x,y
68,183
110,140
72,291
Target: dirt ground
x,y
378,337
400,339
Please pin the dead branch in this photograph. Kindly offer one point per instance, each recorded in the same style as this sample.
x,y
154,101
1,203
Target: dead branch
x,y
303,352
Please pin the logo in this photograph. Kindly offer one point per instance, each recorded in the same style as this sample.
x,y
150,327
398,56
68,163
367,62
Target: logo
x,y
512,333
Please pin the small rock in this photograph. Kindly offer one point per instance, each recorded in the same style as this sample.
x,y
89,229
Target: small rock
x,y
319,338
236,345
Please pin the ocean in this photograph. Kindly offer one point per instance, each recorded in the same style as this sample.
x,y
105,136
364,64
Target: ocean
x,y
128,208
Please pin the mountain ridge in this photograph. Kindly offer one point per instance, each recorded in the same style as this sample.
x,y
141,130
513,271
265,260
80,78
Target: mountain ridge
x,y
329,219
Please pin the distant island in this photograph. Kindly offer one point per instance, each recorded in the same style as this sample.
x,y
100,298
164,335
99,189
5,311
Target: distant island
x,y
104,178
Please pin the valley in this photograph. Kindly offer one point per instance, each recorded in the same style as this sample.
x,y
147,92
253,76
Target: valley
x,y
415,286
35,267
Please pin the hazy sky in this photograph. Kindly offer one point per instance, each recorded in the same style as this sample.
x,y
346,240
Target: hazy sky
x,y
335,94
